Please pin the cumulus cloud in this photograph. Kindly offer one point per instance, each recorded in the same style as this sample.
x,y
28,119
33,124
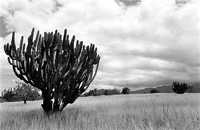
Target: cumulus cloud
x,y
140,45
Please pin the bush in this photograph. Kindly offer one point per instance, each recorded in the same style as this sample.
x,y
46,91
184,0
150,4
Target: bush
x,y
125,90
179,88
154,91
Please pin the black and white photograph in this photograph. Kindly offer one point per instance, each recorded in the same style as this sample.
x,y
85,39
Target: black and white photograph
x,y
99,65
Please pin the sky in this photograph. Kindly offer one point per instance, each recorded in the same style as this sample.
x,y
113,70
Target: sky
x,y
143,44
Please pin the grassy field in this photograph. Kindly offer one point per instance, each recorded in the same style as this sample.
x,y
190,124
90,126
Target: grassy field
x,y
120,112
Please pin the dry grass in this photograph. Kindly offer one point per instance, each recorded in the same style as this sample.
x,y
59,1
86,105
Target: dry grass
x,y
139,112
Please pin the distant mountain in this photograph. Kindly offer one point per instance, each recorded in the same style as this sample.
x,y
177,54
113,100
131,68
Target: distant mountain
x,y
167,89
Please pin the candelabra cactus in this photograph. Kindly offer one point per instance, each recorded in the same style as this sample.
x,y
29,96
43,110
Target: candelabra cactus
x,y
61,68
179,88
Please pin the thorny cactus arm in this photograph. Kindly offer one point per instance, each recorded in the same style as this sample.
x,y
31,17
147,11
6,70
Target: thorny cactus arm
x,y
61,68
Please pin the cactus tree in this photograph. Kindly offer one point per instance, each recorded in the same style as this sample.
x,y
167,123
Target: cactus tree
x,y
179,88
61,68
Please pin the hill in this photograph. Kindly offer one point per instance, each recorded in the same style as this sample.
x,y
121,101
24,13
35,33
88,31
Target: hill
x,y
167,89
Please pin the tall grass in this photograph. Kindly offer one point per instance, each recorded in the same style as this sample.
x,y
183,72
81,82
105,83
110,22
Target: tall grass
x,y
139,112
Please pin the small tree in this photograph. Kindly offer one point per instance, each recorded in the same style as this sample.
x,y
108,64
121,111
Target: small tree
x,y
125,90
61,68
26,92
22,92
179,88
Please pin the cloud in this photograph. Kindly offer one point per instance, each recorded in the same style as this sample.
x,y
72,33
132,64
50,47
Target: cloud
x,y
141,45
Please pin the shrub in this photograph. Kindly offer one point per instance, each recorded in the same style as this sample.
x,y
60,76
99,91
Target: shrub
x,y
125,90
154,91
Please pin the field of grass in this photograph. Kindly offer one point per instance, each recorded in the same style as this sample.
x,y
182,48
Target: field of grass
x,y
120,112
